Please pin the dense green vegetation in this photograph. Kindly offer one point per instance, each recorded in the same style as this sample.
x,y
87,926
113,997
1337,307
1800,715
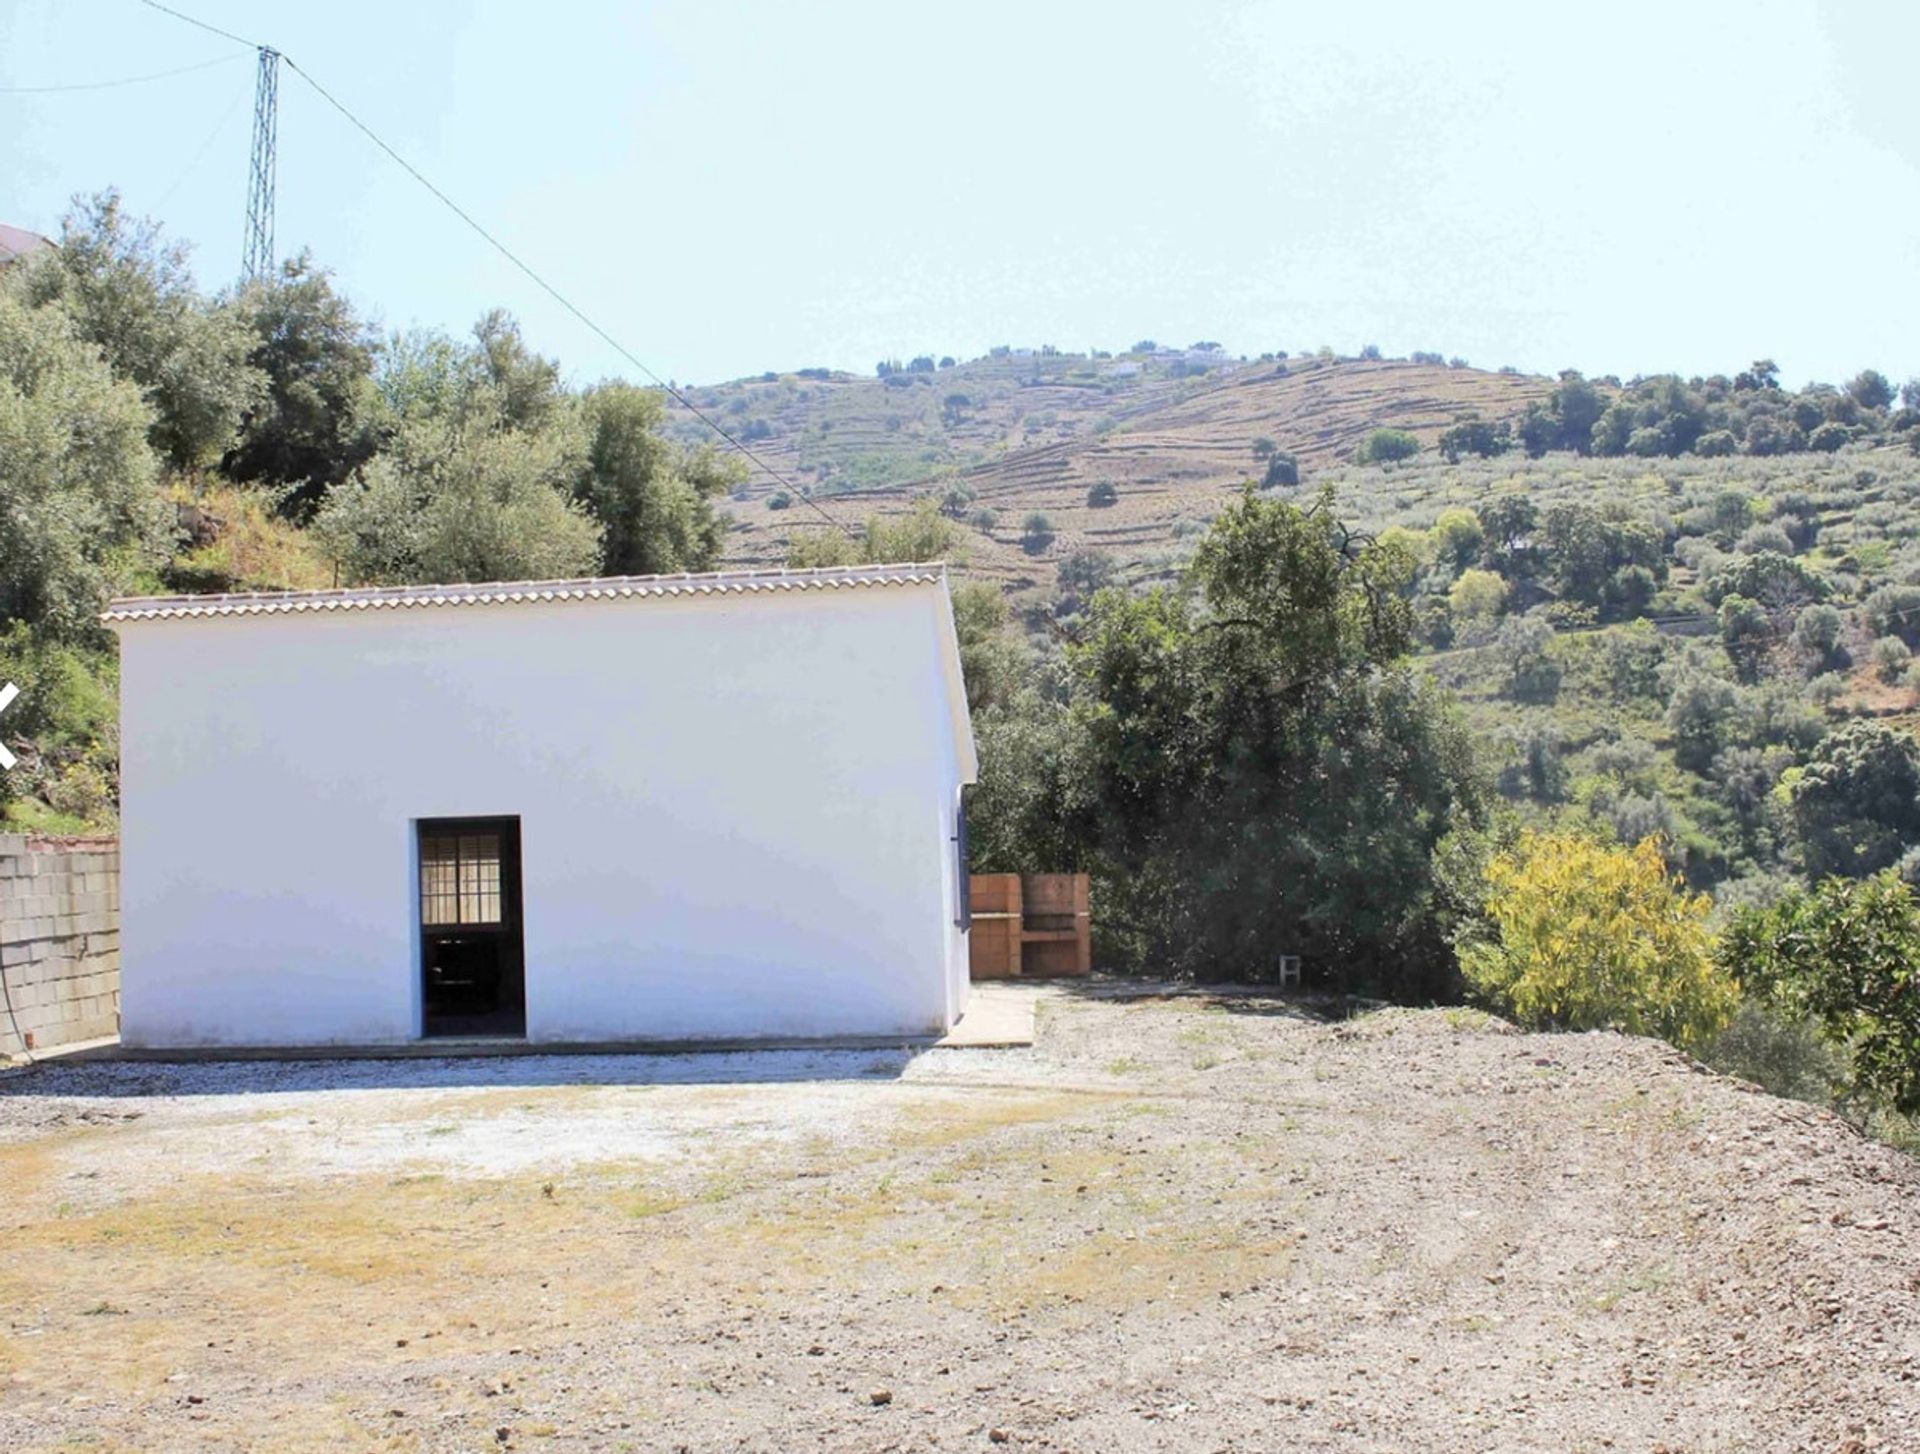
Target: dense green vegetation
x,y
1246,763
1693,664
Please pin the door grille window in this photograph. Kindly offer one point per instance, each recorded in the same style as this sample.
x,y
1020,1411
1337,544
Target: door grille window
x,y
460,879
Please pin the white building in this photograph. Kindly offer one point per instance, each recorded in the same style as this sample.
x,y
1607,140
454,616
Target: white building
x,y
650,808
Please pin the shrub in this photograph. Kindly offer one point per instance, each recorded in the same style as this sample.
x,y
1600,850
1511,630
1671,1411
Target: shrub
x,y
1716,444
1102,495
1479,595
1829,437
1522,648
1816,634
1083,573
1768,577
1889,656
1787,1057
1384,446
1036,533
1757,538
1458,537
779,500
1590,937
1476,436
1845,956
1282,469
1894,611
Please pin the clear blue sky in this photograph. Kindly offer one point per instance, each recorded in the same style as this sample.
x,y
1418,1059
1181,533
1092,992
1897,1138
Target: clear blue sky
x,y
730,187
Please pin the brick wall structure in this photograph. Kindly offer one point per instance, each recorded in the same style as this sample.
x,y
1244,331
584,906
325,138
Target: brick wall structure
x,y
59,941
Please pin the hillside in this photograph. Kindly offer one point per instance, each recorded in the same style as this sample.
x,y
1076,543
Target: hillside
x,y
1037,432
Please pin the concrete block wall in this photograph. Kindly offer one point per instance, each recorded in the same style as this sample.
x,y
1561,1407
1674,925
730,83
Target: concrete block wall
x,y
59,941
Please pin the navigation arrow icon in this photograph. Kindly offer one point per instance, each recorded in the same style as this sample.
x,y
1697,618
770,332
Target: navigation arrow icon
x,y
7,694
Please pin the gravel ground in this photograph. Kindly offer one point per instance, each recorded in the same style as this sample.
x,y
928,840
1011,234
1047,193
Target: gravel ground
x,y
1189,1223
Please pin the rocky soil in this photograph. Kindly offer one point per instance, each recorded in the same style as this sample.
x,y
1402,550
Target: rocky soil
x,y
1190,1223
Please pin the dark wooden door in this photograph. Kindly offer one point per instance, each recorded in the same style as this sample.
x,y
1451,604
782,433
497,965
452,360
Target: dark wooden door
x,y
472,962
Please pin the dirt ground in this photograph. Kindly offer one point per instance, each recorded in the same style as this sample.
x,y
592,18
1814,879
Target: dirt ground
x,y
1178,1224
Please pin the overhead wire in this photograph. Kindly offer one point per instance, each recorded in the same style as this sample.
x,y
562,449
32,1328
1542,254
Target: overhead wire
x,y
211,29
672,391
199,156
121,81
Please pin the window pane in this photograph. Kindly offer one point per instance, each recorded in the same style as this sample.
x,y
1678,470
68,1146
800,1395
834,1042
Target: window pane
x,y
439,881
480,878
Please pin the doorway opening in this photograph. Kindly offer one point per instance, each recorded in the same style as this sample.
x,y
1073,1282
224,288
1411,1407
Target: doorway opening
x,y
472,963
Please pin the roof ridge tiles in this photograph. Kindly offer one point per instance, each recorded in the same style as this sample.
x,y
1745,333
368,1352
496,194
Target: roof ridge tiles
x,y
480,593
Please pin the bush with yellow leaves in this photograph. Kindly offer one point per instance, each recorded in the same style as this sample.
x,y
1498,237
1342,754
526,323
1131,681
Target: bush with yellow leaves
x,y
1589,935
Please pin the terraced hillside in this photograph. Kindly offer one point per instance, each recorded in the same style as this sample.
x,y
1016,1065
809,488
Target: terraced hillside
x,y
1038,434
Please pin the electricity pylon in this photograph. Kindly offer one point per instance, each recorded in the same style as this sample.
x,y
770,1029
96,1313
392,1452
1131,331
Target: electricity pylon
x,y
258,259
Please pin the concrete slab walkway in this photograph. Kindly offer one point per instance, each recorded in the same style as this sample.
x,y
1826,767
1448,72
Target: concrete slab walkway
x,y
999,1016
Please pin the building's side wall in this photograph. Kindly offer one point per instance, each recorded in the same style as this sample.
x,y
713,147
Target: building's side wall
x,y
59,942
954,939
727,815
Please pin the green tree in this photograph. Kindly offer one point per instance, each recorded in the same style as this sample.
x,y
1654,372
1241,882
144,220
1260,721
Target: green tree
x,y
990,658
1458,537
479,480
1893,611
1476,436
922,533
1083,574
77,506
1855,806
1258,771
1384,446
1845,955
1588,549
1699,713
1036,533
1817,631
1778,582
1524,649
653,499
133,297
1586,936
474,507
1478,595
1283,470
317,420
1870,389
1746,630
1510,522
1729,516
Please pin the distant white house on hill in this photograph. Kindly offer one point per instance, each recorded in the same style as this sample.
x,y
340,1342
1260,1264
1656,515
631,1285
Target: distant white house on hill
x,y
649,808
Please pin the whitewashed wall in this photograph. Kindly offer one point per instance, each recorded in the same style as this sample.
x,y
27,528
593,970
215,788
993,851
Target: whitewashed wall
x,y
735,814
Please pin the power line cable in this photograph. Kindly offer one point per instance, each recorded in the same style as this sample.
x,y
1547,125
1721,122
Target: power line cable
x,y
540,282
213,29
200,155
122,81
559,297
